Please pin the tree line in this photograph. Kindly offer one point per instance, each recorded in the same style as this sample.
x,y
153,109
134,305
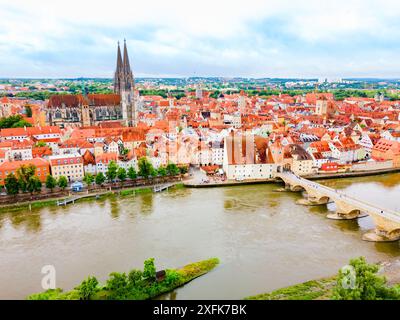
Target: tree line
x,y
146,170
25,179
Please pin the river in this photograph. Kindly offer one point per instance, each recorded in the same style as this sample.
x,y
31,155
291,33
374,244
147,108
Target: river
x,y
263,239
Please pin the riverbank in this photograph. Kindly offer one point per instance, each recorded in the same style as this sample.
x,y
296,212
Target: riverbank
x,y
310,290
319,176
123,192
322,289
134,286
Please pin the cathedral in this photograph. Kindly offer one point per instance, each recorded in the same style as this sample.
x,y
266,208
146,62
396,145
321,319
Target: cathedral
x,y
91,109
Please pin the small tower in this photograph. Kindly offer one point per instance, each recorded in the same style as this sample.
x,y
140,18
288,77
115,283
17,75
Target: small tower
x,y
242,102
199,91
85,109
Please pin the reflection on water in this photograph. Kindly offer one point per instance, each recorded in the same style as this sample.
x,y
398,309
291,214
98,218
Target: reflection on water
x,y
263,239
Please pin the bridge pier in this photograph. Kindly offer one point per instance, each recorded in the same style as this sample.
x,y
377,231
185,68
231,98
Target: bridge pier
x,y
385,231
345,211
312,201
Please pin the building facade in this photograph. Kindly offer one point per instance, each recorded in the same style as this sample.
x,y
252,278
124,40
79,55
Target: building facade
x,y
70,166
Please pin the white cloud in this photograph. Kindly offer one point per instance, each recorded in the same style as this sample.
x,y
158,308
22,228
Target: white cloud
x,y
255,37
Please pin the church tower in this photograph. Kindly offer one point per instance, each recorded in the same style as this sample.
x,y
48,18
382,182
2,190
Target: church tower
x,y
124,85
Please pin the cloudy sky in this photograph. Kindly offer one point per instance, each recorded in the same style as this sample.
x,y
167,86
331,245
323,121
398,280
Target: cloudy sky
x,y
252,38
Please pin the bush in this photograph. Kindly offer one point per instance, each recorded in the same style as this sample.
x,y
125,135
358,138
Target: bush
x,y
117,284
359,281
88,288
149,271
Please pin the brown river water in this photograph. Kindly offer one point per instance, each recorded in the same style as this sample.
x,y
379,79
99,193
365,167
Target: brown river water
x,y
263,239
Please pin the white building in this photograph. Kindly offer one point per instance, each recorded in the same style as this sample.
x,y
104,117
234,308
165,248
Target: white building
x,y
247,158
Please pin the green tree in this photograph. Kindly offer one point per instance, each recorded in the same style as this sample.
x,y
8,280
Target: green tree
x,y
359,281
112,171
88,179
28,111
135,277
62,182
172,169
34,184
40,144
149,271
88,288
132,173
24,173
51,182
100,178
117,284
183,169
162,171
146,169
11,184
16,121
121,174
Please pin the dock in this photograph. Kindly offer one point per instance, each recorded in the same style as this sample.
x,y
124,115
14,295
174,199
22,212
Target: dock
x,y
161,188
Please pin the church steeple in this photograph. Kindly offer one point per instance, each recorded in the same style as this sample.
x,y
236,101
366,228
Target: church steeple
x,y
118,72
124,85
128,76
127,67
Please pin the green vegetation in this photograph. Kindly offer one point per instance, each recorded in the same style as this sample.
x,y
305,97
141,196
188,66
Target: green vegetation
x,y
100,178
132,174
146,169
121,174
143,190
88,288
12,185
172,169
24,174
16,121
88,179
24,180
28,111
359,281
310,290
162,171
183,169
36,95
51,182
62,182
34,185
134,285
40,144
112,169
163,93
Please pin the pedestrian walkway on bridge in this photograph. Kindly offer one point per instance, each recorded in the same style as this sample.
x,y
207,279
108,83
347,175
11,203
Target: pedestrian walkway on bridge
x,y
387,222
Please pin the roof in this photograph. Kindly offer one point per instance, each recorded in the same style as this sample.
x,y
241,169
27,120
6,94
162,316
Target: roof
x,y
13,165
107,157
88,158
29,131
71,100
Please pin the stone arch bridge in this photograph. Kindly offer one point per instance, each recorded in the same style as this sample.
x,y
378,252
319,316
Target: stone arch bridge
x,y
387,222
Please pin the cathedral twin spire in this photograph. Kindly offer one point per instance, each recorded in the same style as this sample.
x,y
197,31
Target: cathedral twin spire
x,y
123,79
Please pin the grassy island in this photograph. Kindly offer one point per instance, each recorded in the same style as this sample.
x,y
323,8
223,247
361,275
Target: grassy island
x,y
310,290
136,285
359,280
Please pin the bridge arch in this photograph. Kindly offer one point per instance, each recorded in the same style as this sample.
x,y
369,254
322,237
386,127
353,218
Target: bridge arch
x,y
324,199
297,188
394,234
